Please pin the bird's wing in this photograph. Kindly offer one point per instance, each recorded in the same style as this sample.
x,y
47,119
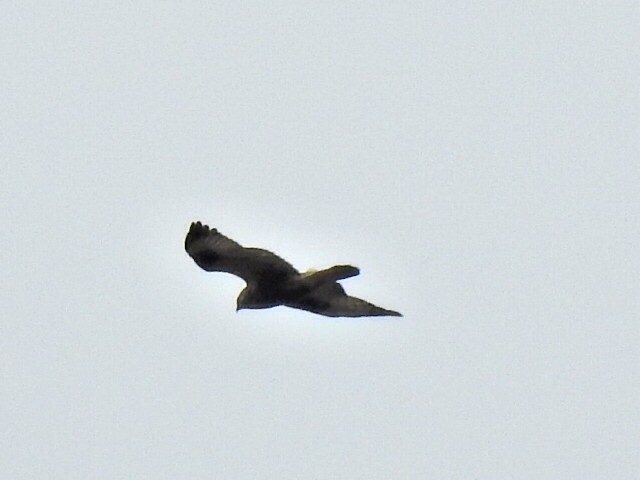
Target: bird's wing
x,y
332,301
214,252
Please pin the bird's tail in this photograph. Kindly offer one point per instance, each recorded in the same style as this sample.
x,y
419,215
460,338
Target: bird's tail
x,y
329,275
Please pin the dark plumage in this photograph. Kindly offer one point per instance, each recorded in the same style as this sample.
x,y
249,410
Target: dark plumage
x,y
271,281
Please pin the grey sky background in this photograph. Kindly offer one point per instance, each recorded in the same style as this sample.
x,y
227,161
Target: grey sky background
x,y
477,160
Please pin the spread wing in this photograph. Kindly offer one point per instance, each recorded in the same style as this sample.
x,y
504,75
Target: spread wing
x,y
332,301
214,252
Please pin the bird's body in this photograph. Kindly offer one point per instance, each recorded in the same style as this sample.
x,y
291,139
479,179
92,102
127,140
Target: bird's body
x,y
271,281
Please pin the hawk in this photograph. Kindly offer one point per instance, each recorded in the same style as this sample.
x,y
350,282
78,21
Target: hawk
x,y
271,281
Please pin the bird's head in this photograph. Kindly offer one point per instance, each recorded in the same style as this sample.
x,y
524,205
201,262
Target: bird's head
x,y
251,297
244,299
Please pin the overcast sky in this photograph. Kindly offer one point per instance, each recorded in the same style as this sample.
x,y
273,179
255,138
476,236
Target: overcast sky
x,y
477,160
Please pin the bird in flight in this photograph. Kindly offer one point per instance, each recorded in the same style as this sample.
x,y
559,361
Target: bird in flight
x,y
271,281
